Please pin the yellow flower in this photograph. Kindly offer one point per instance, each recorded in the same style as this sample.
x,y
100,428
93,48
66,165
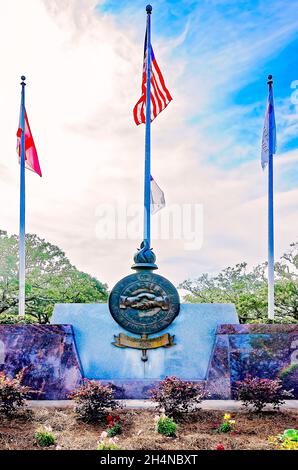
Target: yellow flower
x,y
289,445
286,444
227,417
232,421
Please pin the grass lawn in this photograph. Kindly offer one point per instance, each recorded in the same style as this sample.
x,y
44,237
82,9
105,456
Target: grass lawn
x,y
194,433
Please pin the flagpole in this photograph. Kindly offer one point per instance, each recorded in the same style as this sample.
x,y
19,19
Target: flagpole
x,y
22,239
270,216
147,199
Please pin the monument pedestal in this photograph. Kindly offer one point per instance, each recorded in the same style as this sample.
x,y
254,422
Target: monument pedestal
x,y
194,330
211,346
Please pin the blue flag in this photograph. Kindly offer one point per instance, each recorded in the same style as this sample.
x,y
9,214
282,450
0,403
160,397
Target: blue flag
x,y
269,133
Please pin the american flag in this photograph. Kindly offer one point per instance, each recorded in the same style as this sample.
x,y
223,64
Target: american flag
x,y
160,95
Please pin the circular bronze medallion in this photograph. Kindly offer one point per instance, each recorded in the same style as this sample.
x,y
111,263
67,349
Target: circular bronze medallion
x,y
144,303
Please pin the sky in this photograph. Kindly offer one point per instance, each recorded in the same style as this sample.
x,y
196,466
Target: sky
x,y
83,62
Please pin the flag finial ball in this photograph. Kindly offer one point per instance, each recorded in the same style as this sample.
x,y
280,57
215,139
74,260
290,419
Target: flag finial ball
x,y
23,78
149,9
270,79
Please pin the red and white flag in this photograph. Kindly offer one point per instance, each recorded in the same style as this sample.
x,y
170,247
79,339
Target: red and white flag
x,y
160,95
31,157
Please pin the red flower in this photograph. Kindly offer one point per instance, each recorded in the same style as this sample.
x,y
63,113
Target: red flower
x,y
220,447
109,418
111,424
117,418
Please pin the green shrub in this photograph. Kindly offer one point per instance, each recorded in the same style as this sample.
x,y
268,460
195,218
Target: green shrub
x,y
44,437
291,434
166,426
12,394
225,427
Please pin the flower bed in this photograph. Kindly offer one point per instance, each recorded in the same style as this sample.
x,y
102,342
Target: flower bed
x,y
196,432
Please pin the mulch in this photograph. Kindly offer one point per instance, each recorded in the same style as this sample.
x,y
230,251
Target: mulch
x,y
196,432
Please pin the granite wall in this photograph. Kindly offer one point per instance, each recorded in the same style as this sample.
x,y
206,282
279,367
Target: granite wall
x,y
47,355
265,351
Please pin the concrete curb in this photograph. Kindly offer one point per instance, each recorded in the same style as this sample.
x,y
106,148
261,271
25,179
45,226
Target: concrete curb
x,y
225,405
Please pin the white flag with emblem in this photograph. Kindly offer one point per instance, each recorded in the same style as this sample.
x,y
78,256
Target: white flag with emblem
x,y
158,201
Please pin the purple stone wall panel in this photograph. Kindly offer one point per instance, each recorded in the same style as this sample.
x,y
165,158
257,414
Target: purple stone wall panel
x,y
47,355
268,355
218,376
266,351
289,373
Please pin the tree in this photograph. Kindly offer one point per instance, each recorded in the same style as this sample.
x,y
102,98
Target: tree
x,y
248,289
50,279
286,292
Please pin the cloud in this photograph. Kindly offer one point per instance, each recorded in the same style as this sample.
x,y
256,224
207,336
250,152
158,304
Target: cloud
x,y
84,73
